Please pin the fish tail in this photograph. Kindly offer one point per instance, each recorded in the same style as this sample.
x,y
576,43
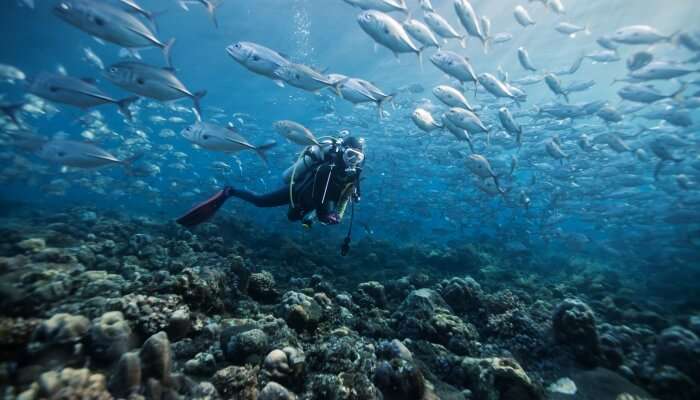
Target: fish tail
x,y
420,58
463,42
678,94
380,104
211,6
485,43
12,111
261,150
196,100
657,170
167,48
337,85
124,104
566,96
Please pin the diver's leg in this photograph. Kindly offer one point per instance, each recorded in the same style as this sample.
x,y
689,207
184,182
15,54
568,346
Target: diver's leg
x,y
277,198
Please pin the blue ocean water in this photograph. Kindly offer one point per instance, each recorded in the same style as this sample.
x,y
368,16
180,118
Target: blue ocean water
x,y
597,203
409,188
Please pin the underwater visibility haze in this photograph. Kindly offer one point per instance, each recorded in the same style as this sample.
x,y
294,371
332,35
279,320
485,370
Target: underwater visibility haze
x,y
350,199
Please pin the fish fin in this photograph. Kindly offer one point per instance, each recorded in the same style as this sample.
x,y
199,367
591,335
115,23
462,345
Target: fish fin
x,y
262,149
420,58
279,83
123,105
89,80
463,42
376,47
196,97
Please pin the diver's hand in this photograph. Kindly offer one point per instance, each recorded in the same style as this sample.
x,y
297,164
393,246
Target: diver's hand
x,y
331,218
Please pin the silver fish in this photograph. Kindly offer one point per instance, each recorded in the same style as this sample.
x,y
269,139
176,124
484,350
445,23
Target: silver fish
x,y
388,32
81,93
152,82
214,137
258,59
296,132
110,23
79,155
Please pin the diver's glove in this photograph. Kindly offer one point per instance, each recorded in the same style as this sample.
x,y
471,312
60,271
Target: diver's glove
x,y
331,218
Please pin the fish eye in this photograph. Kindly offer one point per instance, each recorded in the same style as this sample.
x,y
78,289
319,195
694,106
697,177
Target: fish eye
x,y
205,137
297,76
140,81
256,58
53,89
99,21
61,154
113,69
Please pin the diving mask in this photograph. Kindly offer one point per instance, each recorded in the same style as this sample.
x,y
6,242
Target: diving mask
x,y
352,158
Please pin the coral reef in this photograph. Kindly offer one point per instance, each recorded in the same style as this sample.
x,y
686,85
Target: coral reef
x,y
100,307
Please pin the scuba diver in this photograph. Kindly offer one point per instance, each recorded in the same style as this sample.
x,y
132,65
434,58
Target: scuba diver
x,y
323,180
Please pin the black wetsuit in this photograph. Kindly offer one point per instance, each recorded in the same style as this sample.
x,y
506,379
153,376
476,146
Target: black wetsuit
x,y
308,191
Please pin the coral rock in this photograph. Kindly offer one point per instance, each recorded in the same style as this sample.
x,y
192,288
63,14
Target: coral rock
x,y
261,287
275,391
497,379
236,382
68,384
574,325
110,337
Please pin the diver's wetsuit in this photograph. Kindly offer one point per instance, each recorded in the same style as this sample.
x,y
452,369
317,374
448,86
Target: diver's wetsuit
x,y
308,191
325,187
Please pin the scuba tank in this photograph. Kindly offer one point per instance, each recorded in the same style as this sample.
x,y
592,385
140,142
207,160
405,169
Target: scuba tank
x,y
309,157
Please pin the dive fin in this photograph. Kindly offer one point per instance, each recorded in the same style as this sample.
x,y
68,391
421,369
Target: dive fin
x,y
205,210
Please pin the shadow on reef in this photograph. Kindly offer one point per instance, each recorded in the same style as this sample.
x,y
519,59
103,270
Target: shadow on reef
x,y
104,306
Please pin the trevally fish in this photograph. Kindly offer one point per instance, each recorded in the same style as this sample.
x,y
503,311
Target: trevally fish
x,y
110,23
79,155
258,59
455,65
305,77
524,58
467,16
639,34
522,16
225,139
152,82
451,97
571,29
296,132
388,32
509,124
640,93
424,120
81,93
554,84
421,33
11,74
443,28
